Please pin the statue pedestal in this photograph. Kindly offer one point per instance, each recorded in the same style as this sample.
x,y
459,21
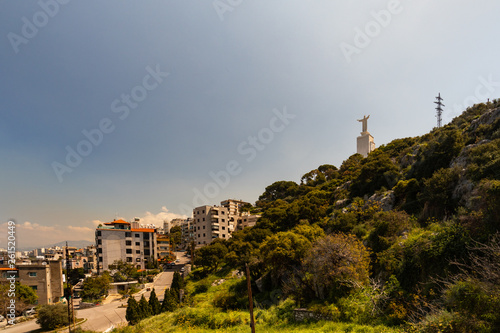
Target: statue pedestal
x,y
365,144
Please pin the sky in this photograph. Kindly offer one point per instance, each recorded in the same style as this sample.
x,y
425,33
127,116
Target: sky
x,y
124,109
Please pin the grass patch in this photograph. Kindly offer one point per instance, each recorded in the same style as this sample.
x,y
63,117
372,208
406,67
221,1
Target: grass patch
x,y
206,310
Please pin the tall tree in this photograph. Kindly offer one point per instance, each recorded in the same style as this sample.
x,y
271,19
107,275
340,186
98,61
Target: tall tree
x,y
175,236
154,303
211,256
337,263
169,301
144,308
132,315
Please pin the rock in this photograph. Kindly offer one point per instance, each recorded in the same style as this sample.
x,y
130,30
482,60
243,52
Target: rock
x,y
386,199
487,119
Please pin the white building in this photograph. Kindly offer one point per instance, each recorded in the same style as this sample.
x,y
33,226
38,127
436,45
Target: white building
x,y
211,222
130,242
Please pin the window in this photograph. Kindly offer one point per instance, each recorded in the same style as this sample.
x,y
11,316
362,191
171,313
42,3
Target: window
x,y
128,243
137,235
128,234
98,233
137,251
223,220
99,250
203,235
100,259
138,260
203,211
222,212
203,227
35,288
129,259
99,242
137,244
223,228
147,252
203,219
7,275
223,235
145,235
199,235
129,251
32,274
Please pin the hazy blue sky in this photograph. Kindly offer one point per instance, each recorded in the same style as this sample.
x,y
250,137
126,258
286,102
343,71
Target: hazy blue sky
x,y
256,92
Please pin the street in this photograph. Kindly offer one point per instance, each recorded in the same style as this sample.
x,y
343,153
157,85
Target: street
x,y
102,317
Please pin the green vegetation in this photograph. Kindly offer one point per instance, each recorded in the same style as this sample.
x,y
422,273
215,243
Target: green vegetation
x,y
25,298
406,239
96,288
52,316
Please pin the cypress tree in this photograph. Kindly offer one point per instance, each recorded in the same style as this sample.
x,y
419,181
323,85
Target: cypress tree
x,y
154,303
169,301
177,284
132,315
144,308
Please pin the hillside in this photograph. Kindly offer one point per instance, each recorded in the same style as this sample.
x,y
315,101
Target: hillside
x,y
407,237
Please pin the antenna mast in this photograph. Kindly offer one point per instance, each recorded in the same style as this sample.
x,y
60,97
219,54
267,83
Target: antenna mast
x,y
439,109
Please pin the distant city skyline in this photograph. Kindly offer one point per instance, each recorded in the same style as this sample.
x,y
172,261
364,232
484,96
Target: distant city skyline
x,y
148,109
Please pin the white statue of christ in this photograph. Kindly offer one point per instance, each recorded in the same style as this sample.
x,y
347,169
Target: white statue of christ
x,y
365,123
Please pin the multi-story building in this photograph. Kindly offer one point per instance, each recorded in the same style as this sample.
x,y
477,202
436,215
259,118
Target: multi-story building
x,y
127,241
211,222
187,230
45,278
163,243
234,206
246,220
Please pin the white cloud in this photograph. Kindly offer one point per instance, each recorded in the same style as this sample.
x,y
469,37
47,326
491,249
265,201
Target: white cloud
x,y
159,218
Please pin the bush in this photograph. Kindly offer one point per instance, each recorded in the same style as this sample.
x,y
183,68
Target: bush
x,y
202,286
52,316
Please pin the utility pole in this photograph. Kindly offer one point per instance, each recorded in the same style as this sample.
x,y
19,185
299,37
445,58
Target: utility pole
x,y
250,300
69,291
439,109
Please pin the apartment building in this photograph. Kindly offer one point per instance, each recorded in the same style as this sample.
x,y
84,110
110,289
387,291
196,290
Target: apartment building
x,y
234,206
211,222
246,220
45,278
163,242
127,241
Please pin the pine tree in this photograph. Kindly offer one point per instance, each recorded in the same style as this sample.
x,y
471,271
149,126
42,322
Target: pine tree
x,y
154,303
177,284
169,301
144,308
132,315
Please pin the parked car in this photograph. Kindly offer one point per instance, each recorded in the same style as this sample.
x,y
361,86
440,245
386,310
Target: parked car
x,y
30,312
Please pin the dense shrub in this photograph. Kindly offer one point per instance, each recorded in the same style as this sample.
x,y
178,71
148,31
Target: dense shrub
x,y
52,316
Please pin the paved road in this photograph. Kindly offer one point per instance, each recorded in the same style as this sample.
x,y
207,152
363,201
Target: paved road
x,y
103,317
